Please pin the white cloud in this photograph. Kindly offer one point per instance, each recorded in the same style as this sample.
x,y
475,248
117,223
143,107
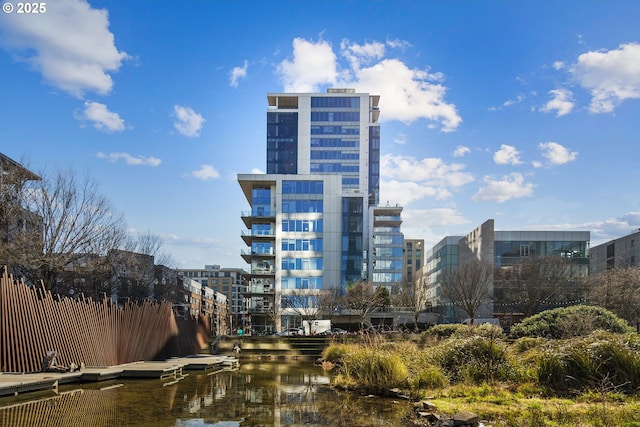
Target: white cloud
x,y
410,179
507,155
460,151
508,187
510,102
188,122
398,44
556,154
400,138
406,94
358,54
613,228
238,73
256,171
404,192
434,217
432,171
420,223
602,231
558,65
101,117
205,173
611,76
562,102
130,160
313,64
70,44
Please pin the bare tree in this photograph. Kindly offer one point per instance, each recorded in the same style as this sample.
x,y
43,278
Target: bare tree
x,y
469,286
274,312
617,290
537,283
148,243
135,265
416,302
330,301
74,219
363,298
302,303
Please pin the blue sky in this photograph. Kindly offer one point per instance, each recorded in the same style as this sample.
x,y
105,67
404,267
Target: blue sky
x,y
522,111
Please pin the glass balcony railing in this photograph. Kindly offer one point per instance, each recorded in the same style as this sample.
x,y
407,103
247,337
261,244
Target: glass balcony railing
x,y
258,213
258,233
257,251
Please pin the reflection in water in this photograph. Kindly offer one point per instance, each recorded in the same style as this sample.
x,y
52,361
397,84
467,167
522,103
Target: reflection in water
x,y
258,394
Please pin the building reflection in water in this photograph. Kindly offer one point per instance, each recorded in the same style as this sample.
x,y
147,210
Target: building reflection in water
x,y
259,394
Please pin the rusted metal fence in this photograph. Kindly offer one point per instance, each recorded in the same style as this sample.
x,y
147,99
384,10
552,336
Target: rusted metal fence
x,y
97,333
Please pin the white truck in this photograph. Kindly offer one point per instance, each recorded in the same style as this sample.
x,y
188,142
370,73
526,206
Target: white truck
x,y
316,327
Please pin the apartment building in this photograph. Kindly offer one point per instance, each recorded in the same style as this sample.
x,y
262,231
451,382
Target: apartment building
x,y
230,282
308,226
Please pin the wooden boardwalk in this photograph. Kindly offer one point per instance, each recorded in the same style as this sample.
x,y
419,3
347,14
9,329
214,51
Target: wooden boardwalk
x,y
172,370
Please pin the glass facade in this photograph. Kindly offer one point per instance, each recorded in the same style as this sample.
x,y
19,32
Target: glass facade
x,y
299,206
335,136
282,142
352,239
302,245
335,102
302,225
261,202
302,282
388,248
302,187
374,165
301,263
510,251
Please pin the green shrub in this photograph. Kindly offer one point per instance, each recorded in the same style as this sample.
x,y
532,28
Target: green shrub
x,y
579,320
476,359
374,370
447,330
602,362
525,344
428,376
335,353
489,331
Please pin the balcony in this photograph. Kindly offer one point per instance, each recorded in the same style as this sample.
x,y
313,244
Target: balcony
x,y
263,271
248,236
249,217
261,309
249,254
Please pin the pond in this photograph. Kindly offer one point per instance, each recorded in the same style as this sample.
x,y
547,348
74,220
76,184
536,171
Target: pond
x,y
257,394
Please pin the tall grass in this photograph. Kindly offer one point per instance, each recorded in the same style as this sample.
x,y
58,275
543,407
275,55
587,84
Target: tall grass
x,y
584,381
601,361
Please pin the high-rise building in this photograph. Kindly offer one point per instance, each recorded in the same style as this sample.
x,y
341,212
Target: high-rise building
x,y
308,227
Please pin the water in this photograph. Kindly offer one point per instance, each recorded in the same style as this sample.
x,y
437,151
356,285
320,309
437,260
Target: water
x,y
258,394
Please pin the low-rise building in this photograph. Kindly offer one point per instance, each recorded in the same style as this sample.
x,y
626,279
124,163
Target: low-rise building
x,y
230,282
621,252
505,252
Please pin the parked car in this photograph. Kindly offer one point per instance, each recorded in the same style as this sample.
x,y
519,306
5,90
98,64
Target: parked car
x,y
292,332
338,331
380,329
